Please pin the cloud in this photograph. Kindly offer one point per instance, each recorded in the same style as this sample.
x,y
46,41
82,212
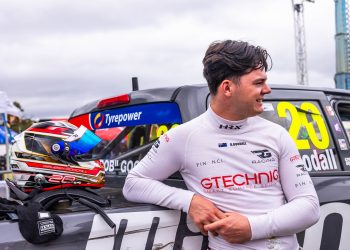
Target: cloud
x,y
58,55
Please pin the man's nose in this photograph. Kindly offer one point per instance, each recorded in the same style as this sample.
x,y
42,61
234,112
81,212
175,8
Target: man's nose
x,y
266,89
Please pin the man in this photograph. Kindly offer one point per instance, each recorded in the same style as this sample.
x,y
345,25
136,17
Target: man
x,y
245,178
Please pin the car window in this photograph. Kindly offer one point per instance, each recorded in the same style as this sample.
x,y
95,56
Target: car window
x,y
305,122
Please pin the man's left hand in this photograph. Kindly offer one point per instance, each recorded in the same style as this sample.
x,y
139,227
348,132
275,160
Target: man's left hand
x,y
234,228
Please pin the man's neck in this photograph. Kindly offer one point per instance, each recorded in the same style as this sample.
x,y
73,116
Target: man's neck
x,y
225,111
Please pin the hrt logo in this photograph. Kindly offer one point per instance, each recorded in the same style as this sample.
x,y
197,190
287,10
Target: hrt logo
x,y
230,126
263,154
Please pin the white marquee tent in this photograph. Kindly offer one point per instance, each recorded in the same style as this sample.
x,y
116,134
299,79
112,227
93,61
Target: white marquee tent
x,y
7,107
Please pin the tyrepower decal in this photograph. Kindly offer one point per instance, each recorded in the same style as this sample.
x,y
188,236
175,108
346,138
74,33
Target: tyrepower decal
x,y
136,115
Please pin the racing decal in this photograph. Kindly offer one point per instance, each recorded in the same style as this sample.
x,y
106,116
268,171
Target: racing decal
x,y
320,161
152,229
299,121
306,125
123,166
319,234
57,178
136,115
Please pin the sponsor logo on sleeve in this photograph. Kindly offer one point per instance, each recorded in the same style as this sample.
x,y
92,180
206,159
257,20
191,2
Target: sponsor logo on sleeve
x,y
295,158
301,167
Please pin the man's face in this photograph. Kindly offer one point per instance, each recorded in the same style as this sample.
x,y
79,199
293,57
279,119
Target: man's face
x,y
249,94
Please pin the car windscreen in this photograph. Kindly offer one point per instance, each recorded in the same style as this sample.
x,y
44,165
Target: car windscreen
x,y
125,129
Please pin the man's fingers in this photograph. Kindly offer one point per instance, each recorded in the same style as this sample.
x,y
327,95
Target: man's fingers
x,y
203,231
213,226
220,215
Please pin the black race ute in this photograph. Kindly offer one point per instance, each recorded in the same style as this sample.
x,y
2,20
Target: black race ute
x,y
317,119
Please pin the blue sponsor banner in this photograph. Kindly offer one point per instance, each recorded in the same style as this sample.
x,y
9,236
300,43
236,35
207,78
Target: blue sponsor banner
x,y
154,113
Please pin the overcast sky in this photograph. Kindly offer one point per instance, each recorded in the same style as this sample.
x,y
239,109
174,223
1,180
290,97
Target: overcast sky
x,y
56,55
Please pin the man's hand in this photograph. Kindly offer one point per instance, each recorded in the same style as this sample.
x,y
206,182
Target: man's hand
x,y
234,228
203,212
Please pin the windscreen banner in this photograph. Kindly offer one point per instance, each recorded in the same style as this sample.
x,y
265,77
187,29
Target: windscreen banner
x,y
136,115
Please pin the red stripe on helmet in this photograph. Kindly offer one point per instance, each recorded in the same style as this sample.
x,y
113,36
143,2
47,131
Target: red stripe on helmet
x,y
70,169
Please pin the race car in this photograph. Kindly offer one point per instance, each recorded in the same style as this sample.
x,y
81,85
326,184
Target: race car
x,y
317,119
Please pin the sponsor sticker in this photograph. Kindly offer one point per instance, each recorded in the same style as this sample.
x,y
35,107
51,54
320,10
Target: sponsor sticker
x,y
347,161
337,127
342,144
329,110
268,107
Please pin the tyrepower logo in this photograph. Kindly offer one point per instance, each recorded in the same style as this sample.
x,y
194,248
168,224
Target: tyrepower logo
x,y
98,120
240,179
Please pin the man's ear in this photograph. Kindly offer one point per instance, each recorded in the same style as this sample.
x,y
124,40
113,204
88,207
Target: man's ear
x,y
226,87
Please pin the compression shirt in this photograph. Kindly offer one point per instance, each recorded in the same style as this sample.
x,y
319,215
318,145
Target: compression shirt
x,y
250,166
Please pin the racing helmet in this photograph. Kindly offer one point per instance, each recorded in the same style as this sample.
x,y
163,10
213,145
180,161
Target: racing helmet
x,y
50,154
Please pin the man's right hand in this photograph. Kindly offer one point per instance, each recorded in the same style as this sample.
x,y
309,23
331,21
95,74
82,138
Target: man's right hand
x,y
203,212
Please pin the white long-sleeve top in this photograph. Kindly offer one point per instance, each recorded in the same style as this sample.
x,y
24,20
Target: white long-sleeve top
x,y
250,166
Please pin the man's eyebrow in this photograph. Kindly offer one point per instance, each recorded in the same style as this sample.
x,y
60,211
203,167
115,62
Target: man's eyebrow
x,y
260,79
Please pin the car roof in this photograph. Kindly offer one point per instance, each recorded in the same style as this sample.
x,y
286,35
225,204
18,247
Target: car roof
x,y
167,94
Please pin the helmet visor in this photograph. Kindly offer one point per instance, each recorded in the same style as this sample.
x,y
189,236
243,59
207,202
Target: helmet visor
x,y
80,143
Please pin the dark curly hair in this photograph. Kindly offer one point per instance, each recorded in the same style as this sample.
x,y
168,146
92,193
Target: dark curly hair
x,y
232,59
